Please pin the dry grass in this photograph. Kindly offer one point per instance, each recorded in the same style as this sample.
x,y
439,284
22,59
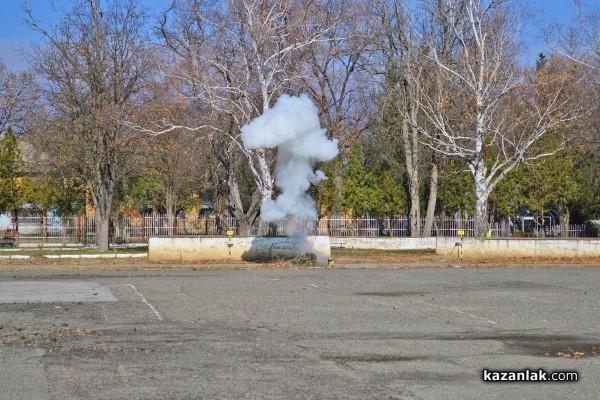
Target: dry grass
x,y
429,257
341,257
355,256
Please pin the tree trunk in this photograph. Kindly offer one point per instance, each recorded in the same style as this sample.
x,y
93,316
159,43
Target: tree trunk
x,y
171,205
432,199
565,217
412,170
102,195
481,217
103,237
245,218
482,192
265,182
414,217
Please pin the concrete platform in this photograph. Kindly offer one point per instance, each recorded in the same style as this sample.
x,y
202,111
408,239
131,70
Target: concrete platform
x,y
54,292
257,248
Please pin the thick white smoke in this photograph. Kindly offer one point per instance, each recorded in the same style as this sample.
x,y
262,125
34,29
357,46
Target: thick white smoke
x,y
292,125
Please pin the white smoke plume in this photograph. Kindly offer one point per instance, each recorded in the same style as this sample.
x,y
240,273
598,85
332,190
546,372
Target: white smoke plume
x,y
292,125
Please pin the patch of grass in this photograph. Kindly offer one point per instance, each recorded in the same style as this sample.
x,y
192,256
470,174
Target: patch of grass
x,y
342,252
359,256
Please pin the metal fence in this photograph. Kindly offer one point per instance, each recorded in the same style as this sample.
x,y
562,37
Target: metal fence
x,y
82,230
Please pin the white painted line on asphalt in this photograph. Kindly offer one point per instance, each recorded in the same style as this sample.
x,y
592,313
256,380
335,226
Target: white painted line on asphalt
x,y
436,306
524,296
143,299
454,310
537,298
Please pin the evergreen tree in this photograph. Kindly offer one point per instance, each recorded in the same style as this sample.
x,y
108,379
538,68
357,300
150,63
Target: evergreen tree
x,y
390,195
359,198
456,191
327,193
375,192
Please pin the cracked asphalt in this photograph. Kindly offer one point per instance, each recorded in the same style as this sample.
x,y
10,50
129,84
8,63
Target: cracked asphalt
x,y
298,334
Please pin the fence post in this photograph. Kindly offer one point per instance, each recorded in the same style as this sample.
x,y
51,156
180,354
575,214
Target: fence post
x,y
14,226
175,225
78,228
46,227
143,228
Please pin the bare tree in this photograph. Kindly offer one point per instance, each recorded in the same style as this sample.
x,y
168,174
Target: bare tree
x,y
17,94
337,69
403,57
235,57
580,40
93,66
502,115
408,77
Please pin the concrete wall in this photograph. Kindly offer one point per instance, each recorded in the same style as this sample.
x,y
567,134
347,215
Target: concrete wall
x,y
387,243
236,248
521,247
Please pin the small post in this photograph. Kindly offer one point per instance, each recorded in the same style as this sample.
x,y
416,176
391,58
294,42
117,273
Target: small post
x,y
230,244
14,226
143,228
175,224
461,235
360,226
78,228
46,227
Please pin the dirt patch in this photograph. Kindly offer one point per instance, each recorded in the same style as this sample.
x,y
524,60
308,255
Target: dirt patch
x,y
32,337
555,347
541,344
430,258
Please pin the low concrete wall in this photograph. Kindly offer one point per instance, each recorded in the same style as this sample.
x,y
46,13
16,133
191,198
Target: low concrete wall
x,y
520,247
236,248
386,243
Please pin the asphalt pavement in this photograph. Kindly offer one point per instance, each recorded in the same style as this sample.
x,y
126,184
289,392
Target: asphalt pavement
x,y
298,334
